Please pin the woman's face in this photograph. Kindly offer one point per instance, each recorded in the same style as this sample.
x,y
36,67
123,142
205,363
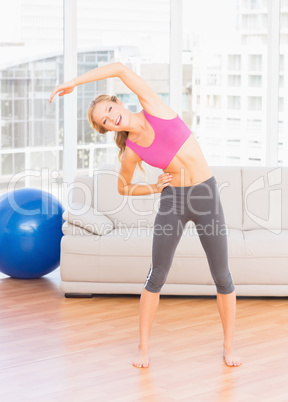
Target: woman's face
x,y
111,115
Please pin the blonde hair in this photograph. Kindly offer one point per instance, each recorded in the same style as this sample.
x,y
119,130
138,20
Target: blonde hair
x,y
119,136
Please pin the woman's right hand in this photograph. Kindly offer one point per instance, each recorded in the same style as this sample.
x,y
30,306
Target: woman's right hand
x,y
66,88
163,181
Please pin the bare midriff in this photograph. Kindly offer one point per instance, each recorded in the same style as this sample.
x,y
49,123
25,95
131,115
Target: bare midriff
x,y
189,166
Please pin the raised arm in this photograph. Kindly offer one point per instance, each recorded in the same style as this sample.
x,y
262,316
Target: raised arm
x,y
147,96
99,73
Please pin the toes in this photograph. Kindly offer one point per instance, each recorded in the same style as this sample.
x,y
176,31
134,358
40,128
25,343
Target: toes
x,y
228,362
232,362
138,365
141,365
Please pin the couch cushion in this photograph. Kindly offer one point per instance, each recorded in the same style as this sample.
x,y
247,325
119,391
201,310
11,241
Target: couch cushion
x,y
265,198
264,243
88,218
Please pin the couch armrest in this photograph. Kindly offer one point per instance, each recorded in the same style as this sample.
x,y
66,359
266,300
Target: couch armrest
x,y
88,218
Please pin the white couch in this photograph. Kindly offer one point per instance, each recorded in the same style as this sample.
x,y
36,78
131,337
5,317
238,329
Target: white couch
x,y
107,242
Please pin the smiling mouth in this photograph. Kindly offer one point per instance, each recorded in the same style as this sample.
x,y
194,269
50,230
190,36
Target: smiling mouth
x,y
118,120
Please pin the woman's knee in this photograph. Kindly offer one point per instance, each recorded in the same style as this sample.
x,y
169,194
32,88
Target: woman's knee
x,y
224,282
155,279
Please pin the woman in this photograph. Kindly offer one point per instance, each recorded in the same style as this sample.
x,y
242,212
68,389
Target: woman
x,y
157,135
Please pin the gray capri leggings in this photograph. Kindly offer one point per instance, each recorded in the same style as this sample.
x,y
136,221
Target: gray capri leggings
x,y
200,203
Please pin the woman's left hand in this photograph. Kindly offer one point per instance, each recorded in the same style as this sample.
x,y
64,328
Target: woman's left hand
x,y
66,88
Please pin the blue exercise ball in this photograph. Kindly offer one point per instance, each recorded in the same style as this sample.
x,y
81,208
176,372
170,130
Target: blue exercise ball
x,y
30,233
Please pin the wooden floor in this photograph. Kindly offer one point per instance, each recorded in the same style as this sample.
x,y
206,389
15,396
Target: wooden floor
x,y
57,349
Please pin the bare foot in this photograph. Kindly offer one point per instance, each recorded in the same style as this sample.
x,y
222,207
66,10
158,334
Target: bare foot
x,y
230,359
142,358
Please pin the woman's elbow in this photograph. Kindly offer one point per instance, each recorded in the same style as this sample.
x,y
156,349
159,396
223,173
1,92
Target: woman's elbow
x,y
121,189
120,67
124,190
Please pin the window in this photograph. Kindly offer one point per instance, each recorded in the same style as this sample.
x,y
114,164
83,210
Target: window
x,y
254,103
255,81
31,65
254,62
229,77
234,80
283,87
234,62
224,88
234,102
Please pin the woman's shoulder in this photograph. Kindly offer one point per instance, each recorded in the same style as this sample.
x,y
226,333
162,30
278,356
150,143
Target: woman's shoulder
x,y
160,111
129,154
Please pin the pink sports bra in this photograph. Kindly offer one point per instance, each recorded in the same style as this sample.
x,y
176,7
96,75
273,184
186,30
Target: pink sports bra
x,y
170,135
